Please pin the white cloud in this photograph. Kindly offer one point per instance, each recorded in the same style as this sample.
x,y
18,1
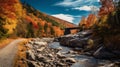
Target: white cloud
x,y
69,3
98,0
87,8
66,17
75,3
78,16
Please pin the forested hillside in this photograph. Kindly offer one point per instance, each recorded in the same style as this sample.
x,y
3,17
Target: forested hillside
x,y
21,19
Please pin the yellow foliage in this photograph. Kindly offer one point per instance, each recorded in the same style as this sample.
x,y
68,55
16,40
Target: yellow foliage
x,y
18,9
5,42
103,19
10,25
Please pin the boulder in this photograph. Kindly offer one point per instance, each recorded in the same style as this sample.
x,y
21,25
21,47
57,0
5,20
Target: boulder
x,y
70,60
80,43
40,49
59,48
30,55
48,40
85,33
50,55
30,42
60,55
43,59
29,46
60,64
65,41
103,53
32,64
40,43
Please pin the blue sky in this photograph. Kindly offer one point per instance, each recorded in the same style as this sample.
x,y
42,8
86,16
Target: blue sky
x,y
69,10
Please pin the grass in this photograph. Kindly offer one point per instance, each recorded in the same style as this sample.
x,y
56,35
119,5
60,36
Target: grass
x,y
20,59
5,42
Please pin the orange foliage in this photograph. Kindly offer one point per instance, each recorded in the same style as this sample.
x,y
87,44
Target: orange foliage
x,y
42,22
49,24
83,21
90,21
58,31
48,30
29,19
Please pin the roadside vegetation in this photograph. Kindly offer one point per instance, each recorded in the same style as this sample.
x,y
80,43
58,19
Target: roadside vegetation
x,y
20,59
5,42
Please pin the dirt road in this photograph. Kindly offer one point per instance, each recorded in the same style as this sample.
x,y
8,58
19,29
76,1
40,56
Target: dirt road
x,y
8,53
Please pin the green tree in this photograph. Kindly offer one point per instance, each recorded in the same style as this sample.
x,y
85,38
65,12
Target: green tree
x,y
3,31
52,31
39,32
21,29
30,31
45,27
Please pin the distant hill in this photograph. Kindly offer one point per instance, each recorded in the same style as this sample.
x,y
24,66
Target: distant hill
x,y
63,22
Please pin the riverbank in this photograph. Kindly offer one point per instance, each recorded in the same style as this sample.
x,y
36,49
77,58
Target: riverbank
x,y
44,52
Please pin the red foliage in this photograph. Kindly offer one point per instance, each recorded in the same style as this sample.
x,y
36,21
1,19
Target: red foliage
x,y
107,7
7,7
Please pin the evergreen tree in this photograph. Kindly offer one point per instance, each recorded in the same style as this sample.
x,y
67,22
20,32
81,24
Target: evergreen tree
x,y
3,31
30,30
45,27
39,32
52,31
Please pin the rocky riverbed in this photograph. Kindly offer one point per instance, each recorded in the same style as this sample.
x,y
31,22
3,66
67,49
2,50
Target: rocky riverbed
x,y
43,53
70,51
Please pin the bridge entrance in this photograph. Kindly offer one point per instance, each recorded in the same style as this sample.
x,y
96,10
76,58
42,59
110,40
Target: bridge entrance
x,y
68,30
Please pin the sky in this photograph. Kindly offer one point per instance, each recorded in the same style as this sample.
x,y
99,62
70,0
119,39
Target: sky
x,y
69,10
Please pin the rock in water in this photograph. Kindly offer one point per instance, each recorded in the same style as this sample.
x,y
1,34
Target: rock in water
x,y
60,55
65,41
70,60
77,42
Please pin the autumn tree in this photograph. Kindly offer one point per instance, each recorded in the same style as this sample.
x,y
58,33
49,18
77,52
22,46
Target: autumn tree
x,y
107,7
109,24
82,23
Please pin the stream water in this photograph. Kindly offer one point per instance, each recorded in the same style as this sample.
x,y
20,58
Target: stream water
x,y
82,60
